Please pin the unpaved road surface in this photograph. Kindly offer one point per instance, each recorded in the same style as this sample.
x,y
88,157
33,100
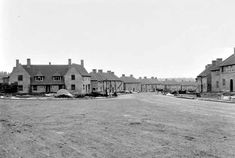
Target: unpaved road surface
x,y
138,126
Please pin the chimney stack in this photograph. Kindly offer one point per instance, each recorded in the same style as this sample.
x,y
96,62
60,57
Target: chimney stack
x,y
109,71
131,75
123,75
208,65
219,60
69,62
17,62
140,78
82,63
28,62
94,70
145,77
112,72
152,77
49,63
214,62
100,71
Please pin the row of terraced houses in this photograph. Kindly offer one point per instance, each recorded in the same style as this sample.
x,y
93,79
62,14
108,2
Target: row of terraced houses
x,y
218,76
31,78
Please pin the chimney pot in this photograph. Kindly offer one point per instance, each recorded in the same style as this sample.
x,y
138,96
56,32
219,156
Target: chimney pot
x,y
69,62
94,70
131,75
100,70
82,63
123,75
49,63
145,77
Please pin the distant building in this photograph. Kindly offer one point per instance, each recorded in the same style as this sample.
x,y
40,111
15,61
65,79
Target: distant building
x,y
105,82
130,83
50,78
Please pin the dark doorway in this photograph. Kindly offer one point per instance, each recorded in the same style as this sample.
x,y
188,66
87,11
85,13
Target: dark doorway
x,y
48,89
231,85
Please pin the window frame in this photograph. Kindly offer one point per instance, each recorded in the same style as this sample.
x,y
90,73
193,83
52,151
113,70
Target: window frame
x,y
73,87
20,88
20,77
73,77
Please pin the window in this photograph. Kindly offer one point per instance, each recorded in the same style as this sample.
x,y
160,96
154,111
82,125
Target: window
x,y
224,82
39,78
72,77
57,78
83,87
89,86
20,88
60,86
20,77
35,88
217,84
73,87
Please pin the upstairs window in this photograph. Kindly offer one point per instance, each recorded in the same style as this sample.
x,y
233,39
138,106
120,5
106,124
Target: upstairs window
x,y
72,77
39,78
57,78
20,77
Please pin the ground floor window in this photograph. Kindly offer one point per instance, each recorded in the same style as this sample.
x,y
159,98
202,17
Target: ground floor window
x,y
60,86
35,88
20,88
73,87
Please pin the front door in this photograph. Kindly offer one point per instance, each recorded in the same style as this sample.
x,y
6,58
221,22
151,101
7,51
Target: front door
x,y
231,85
48,89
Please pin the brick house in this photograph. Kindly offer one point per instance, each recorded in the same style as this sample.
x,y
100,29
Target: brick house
x,y
130,83
105,82
227,74
204,80
50,78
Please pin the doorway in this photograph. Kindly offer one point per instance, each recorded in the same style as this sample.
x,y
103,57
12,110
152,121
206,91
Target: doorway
x,y
48,89
231,85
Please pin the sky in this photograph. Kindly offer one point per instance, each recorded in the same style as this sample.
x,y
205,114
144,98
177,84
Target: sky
x,y
160,38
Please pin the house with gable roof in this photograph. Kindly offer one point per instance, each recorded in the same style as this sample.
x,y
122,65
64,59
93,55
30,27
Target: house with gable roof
x,y
105,82
227,74
50,78
130,83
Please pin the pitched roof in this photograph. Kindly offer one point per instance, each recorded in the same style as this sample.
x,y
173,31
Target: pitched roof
x,y
229,61
81,70
51,70
104,76
206,72
129,79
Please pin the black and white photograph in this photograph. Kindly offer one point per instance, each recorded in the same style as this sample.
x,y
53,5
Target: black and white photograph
x,y
117,79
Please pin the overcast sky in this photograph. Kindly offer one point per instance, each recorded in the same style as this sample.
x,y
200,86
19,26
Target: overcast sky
x,y
162,38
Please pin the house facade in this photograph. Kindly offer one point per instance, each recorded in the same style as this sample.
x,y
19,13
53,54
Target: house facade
x,y
227,74
130,83
105,82
50,78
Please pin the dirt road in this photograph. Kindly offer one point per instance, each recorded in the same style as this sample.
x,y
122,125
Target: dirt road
x,y
139,125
